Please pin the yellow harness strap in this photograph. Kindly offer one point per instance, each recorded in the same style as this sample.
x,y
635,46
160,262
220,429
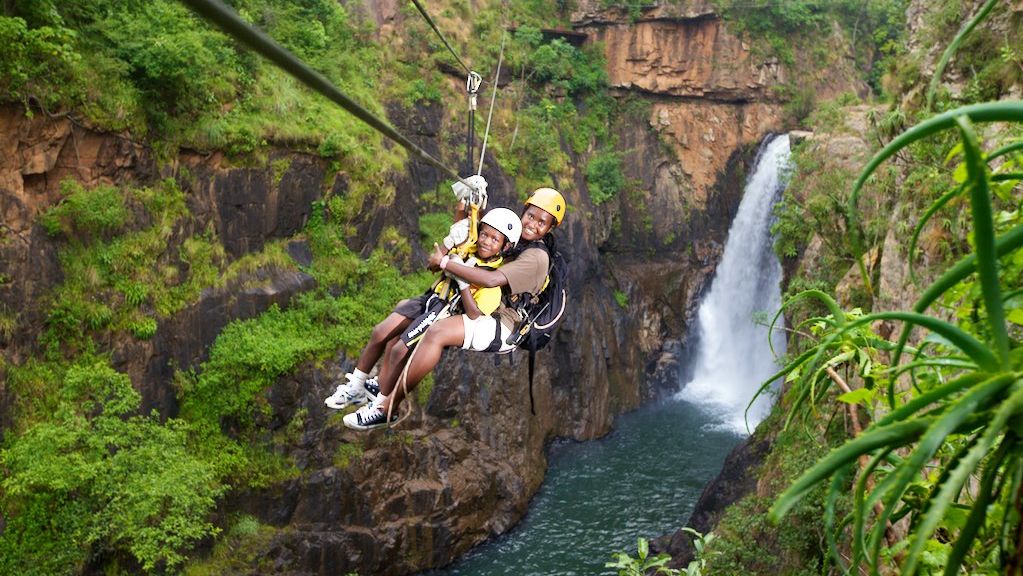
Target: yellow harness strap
x,y
444,286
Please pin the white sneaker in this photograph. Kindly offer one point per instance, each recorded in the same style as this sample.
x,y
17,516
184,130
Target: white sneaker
x,y
369,417
349,393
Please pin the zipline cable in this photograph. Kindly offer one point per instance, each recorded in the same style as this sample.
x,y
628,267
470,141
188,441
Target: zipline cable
x,y
227,19
493,96
441,36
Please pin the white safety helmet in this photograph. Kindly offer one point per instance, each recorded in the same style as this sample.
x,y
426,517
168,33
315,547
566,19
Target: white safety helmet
x,y
504,221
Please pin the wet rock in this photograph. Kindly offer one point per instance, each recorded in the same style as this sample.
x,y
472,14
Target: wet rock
x,y
738,478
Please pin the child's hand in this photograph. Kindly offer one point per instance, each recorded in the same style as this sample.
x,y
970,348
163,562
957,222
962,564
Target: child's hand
x,y
433,261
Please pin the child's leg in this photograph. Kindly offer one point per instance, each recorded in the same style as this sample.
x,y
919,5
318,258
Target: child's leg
x,y
449,331
380,339
394,363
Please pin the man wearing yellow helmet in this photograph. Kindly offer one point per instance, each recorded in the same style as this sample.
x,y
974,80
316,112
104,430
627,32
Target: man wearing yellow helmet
x,y
524,271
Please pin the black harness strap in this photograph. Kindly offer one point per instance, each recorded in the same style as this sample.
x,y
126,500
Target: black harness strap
x,y
495,344
532,361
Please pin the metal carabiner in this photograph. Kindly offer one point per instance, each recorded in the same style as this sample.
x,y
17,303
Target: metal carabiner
x,y
472,86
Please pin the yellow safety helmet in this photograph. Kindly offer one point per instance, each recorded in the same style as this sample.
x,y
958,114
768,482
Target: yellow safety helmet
x,y
549,200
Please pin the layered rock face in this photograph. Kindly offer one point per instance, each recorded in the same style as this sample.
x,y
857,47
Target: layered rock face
x,y
466,462
710,95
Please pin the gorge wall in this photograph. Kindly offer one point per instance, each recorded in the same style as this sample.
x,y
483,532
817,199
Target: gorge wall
x,y
465,464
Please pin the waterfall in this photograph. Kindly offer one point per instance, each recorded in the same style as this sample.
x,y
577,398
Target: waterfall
x,y
733,356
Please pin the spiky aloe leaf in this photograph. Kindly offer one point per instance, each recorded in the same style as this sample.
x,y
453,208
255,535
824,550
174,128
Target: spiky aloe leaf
x,y
984,238
940,503
944,425
939,69
1008,111
978,513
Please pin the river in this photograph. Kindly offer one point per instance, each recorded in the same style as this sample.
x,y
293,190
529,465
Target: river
x,y
644,478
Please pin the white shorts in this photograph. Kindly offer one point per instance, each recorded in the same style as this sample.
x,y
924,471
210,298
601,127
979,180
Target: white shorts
x,y
479,334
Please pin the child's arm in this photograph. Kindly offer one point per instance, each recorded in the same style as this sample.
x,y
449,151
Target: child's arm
x,y
472,310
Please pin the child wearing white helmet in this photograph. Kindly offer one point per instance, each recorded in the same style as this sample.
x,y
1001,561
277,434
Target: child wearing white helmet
x,y
524,272
499,231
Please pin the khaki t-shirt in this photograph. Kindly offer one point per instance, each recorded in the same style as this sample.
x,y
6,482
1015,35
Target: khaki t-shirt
x,y
526,273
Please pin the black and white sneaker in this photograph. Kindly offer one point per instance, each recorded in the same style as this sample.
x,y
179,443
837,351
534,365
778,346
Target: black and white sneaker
x,y
369,417
372,388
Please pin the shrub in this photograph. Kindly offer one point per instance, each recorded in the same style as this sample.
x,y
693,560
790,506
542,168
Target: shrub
x,y
604,176
38,62
88,213
642,564
95,480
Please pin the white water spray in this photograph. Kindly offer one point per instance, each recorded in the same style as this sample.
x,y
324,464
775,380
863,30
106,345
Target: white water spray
x,y
733,356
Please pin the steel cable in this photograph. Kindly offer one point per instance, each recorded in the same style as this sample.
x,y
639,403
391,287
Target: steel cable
x,y
441,36
228,20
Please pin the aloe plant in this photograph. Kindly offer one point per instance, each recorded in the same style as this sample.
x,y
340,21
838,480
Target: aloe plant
x,y
946,452
953,46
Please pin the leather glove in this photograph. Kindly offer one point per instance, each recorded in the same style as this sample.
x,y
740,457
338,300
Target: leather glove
x,y
461,191
458,233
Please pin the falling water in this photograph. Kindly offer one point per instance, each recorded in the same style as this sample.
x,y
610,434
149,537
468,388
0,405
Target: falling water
x,y
733,357
600,496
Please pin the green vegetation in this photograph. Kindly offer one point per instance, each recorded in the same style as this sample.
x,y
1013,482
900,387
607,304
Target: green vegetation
x,y
155,67
96,479
117,275
564,101
642,564
347,453
240,548
621,298
983,55
955,418
872,32
604,177
38,62
778,23
85,213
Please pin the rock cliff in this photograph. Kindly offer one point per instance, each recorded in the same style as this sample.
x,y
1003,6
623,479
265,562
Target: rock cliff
x,y
465,464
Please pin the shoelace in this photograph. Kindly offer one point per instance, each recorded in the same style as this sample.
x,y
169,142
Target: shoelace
x,y
369,413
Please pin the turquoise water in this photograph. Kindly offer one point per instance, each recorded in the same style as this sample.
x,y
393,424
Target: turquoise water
x,y
641,480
